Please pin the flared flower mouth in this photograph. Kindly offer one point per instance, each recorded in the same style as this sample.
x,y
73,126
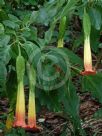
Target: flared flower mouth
x,y
20,102
89,72
88,58
33,128
19,124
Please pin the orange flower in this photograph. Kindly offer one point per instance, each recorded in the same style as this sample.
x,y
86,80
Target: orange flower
x,y
20,103
31,106
31,110
32,113
20,107
87,58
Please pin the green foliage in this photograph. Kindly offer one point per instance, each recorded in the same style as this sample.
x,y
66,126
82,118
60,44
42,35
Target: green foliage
x,y
33,25
97,17
4,56
17,132
71,105
93,85
11,87
98,114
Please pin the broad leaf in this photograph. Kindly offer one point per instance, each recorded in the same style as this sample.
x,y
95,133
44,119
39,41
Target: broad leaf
x,y
96,18
4,59
33,52
93,84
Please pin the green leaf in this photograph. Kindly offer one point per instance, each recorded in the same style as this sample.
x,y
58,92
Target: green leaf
x,y
10,24
49,33
93,85
60,58
33,17
53,69
47,13
4,59
45,99
4,40
3,74
68,8
26,33
11,86
95,39
3,15
2,2
33,52
96,18
98,114
73,58
71,106
13,18
1,29
71,102
41,42
47,77
4,49
34,32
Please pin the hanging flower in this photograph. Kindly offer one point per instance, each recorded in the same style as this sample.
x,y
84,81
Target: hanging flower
x,y
32,112
87,50
20,107
87,58
20,103
31,106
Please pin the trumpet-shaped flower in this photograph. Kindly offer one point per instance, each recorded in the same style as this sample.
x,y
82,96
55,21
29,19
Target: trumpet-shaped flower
x,y
31,106
87,58
20,107
32,112
20,102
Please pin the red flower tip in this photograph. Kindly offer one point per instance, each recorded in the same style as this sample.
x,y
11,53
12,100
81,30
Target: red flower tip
x,y
33,128
19,124
89,72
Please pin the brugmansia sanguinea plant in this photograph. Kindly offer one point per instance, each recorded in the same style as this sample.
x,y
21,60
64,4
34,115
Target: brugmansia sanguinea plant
x,y
87,49
31,106
62,27
20,102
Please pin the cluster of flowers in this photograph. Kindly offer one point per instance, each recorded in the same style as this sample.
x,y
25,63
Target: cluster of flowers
x,y
20,116
20,104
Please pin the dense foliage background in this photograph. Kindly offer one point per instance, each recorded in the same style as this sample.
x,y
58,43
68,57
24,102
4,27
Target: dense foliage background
x,y
34,26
